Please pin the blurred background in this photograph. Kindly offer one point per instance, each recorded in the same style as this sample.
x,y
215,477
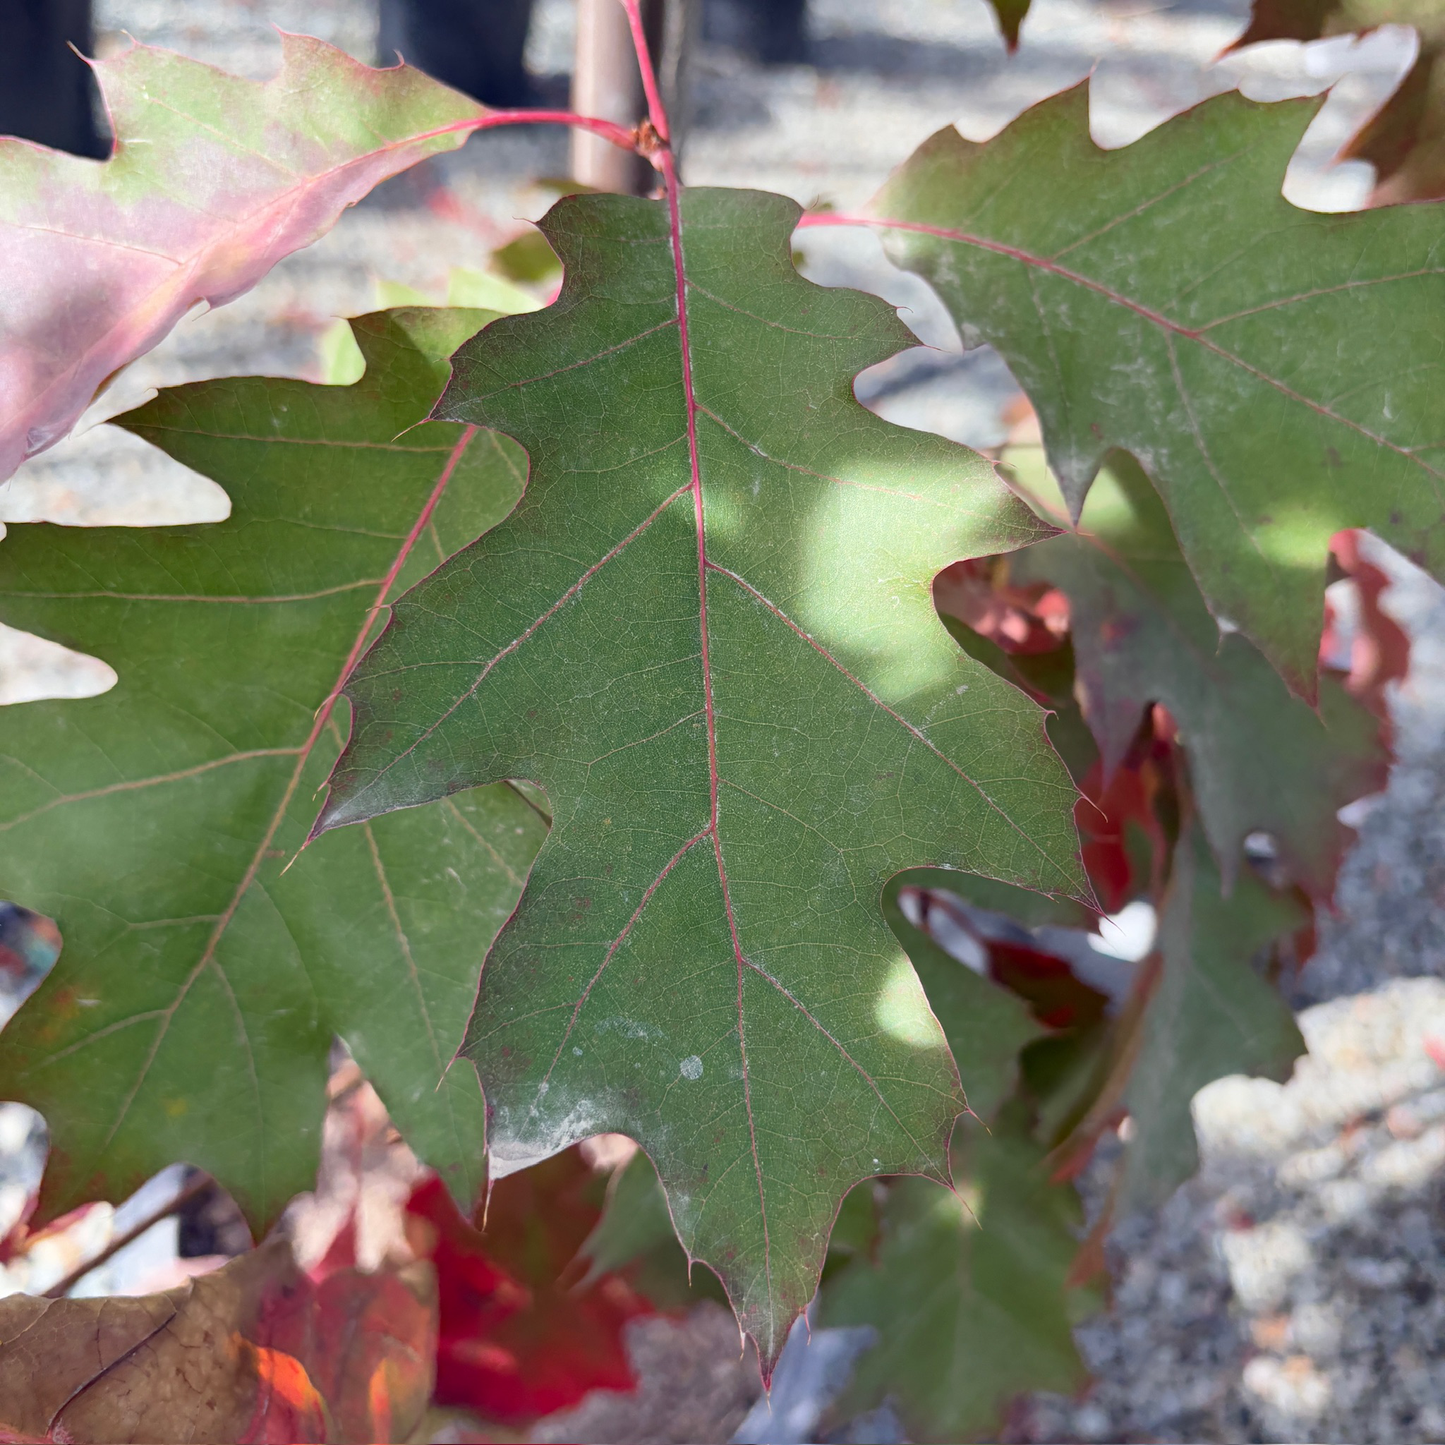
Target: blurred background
x,y
1296,1288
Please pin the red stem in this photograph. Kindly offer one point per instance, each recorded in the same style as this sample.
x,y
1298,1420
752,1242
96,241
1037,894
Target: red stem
x,y
656,111
835,218
608,130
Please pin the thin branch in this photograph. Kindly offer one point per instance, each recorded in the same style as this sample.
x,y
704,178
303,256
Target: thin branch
x,y
178,1201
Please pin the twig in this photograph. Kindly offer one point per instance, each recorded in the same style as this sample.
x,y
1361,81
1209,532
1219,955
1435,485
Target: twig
x,y
198,1186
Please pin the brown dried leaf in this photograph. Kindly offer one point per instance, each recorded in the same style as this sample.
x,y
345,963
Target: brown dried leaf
x,y
256,1352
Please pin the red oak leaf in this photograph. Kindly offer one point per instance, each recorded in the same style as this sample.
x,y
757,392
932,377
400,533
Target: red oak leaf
x,y
517,1341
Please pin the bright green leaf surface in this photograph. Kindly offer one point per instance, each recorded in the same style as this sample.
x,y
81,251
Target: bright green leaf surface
x,y
1211,1015
985,1025
634,1222
199,988
1261,759
1279,373
747,717
967,1294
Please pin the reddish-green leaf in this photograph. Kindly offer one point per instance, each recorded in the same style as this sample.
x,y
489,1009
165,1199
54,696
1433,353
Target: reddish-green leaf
x,y
1405,139
214,179
1261,760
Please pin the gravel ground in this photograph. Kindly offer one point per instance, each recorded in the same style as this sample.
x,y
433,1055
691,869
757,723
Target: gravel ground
x,y
1294,1289
1390,899
696,1387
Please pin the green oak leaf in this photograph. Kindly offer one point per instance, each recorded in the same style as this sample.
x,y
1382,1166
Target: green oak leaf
x,y
634,1221
1277,372
635,1236
1210,1015
707,632
1262,760
986,1027
969,1294
200,985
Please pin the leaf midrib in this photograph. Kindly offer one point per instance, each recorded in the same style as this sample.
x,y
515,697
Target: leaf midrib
x,y
674,222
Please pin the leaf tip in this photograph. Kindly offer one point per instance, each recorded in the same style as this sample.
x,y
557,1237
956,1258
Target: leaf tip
x,y
1076,476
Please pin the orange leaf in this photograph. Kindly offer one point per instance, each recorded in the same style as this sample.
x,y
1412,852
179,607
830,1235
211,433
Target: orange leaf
x,y
288,1406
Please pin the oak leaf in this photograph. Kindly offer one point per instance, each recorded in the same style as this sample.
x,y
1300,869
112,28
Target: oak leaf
x,y
1210,1014
1276,372
969,1295
521,1332
255,1352
1261,760
708,633
201,982
213,180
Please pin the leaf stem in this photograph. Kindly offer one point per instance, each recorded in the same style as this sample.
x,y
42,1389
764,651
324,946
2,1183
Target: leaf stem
x,y
836,218
607,129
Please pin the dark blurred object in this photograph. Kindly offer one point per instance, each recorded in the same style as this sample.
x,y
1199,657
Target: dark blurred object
x,y
46,90
1011,15
477,45
773,31
473,45
211,1222
29,945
